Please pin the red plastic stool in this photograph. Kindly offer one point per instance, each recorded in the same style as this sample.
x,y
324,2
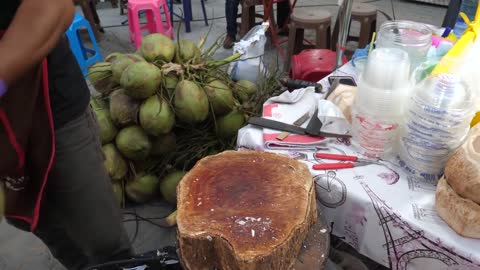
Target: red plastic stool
x,y
156,23
313,65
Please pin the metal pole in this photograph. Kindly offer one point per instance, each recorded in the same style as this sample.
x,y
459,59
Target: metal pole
x,y
344,16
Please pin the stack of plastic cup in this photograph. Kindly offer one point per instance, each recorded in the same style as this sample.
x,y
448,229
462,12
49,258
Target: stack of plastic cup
x,y
378,109
437,121
414,38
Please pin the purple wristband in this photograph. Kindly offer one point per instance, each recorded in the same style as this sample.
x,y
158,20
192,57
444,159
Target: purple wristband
x,y
3,88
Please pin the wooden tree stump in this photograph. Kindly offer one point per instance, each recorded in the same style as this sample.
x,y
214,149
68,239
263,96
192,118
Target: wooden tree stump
x,y
244,210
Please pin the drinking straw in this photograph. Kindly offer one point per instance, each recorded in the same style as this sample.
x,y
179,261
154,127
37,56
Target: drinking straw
x,y
371,43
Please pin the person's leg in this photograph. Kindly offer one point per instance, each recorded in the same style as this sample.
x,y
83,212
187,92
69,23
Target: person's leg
x,y
80,216
231,11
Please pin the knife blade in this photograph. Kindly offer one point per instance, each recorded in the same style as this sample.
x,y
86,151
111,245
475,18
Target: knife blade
x,y
297,123
315,125
277,125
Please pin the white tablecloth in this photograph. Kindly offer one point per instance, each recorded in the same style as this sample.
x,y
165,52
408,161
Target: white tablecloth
x,y
380,211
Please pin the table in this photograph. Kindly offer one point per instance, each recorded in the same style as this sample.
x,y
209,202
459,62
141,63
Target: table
x,y
379,210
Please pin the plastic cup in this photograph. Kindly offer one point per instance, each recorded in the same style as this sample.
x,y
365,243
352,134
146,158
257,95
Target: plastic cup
x,y
387,69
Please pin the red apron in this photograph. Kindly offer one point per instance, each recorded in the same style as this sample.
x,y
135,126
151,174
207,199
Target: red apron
x,y
27,144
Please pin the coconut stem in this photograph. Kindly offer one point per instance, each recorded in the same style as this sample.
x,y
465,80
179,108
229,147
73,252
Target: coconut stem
x,y
225,61
213,48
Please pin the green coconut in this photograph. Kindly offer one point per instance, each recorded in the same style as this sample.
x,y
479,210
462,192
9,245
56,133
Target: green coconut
x,y
170,82
191,102
123,108
156,117
2,201
114,163
118,191
163,144
168,186
113,57
135,57
157,47
228,125
220,97
107,129
101,77
142,188
187,50
141,80
133,143
119,66
245,89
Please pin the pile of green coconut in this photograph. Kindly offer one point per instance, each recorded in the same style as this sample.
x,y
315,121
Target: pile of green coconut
x,y
161,109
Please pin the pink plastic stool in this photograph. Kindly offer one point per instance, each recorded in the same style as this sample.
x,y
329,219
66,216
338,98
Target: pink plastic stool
x,y
313,65
155,22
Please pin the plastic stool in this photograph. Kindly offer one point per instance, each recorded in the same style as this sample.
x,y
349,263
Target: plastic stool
x,y
367,16
85,56
155,22
301,19
313,65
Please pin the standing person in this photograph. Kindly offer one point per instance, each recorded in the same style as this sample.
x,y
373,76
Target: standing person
x,y
51,158
231,10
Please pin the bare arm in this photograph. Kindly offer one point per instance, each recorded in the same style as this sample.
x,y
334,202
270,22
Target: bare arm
x,y
34,31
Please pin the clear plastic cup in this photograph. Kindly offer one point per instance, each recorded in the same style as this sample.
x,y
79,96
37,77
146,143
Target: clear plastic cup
x,y
387,69
436,124
412,37
378,108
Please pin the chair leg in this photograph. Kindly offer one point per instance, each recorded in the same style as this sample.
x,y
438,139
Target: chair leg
x,y
96,55
298,39
76,49
130,25
152,24
247,16
137,31
204,12
364,33
167,24
187,9
170,8
321,37
291,46
373,27
329,37
334,39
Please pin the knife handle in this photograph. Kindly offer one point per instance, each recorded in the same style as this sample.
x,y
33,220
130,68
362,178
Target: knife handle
x,y
296,84
333,166
336,157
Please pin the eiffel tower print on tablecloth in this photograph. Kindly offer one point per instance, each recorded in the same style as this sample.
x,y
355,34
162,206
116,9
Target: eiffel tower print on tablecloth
x,y
404,244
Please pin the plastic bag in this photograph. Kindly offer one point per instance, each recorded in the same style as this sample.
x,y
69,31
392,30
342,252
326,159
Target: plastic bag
x,y
252,48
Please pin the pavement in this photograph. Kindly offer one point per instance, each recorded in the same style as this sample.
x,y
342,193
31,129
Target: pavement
x,y
23,251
